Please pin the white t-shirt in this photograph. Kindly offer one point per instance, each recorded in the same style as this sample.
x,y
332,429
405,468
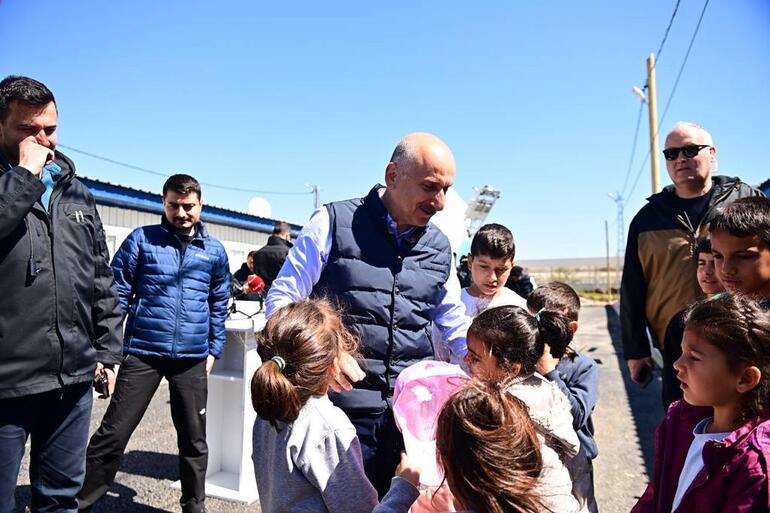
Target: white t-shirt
x,y
476,305
694,461
473,307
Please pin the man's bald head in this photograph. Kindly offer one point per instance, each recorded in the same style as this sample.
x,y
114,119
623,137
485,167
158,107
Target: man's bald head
x,y
418,148
691,176
420,171
692,129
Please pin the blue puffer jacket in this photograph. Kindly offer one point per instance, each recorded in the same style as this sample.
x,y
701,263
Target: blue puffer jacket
x,y
176,306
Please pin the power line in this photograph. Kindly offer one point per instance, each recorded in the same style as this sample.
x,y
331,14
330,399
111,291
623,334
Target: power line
x,y
633,148
663,41
684,61
665,36
166,175
673,91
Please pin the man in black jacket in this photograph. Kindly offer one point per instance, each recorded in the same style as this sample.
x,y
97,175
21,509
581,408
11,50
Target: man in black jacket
x,y
269,259
659,274
59,312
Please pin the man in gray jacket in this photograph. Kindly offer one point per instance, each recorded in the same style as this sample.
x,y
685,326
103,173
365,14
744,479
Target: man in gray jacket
x,y
60,313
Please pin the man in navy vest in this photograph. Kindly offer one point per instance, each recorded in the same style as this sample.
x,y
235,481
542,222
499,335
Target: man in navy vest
x,y
392,272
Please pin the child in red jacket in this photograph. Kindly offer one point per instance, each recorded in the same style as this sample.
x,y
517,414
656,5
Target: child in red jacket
x,y
713,448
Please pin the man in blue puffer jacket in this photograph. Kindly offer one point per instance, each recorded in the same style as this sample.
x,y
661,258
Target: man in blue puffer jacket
x,y
173,280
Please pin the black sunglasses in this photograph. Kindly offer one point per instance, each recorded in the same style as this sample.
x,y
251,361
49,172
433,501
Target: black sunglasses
x,y
689,151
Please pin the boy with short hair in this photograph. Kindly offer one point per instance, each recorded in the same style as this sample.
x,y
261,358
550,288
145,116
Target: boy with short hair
x,y
577,375
490,262
740,243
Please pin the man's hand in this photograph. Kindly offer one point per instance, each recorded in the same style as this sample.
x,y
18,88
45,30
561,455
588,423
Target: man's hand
x,y
210,364
109,372
640,368
546,363
33,156
345,371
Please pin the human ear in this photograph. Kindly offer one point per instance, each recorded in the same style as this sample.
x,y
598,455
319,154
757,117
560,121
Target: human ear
x,y
748,379
391,173
573,325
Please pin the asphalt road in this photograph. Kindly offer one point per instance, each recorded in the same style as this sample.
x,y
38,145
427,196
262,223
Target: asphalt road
x,y
625,420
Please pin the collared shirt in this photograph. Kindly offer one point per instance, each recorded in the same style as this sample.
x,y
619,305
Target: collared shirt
x,y
307,260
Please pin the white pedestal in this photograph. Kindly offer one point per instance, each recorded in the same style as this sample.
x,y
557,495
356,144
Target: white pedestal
x,y
229,414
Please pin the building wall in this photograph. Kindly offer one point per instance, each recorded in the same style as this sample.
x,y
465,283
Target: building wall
x,y
120,222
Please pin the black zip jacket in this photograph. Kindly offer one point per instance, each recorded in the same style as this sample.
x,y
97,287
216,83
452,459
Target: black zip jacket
x,y
659,274
59,312
269,259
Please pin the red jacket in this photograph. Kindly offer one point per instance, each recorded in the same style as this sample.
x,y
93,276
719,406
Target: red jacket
x,y
734,474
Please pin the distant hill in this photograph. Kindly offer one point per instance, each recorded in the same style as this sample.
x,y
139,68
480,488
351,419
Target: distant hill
x,y
569,263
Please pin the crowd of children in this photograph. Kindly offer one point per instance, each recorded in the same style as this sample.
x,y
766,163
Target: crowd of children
x,y
518,436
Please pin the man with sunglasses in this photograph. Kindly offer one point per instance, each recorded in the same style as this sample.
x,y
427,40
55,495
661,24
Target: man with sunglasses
x,y
659,274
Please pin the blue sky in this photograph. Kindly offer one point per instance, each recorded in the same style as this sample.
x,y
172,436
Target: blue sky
x,y
533,97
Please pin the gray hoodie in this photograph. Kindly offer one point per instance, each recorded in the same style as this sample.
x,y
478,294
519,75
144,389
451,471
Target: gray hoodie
x,y
314,464
550,411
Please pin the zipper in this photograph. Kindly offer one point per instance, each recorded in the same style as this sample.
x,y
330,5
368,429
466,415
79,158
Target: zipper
x,y
393,325
178,294
715,203
49,216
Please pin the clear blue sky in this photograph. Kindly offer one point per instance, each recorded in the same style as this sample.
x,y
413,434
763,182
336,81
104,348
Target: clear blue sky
x,y
533,97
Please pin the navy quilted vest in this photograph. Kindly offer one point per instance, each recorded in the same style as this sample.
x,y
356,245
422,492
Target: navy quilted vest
x,y
389,293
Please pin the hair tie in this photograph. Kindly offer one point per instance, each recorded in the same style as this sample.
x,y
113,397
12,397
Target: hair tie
x,y
537,315
280,362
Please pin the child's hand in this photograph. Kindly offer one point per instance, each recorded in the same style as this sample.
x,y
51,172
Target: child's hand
x,y
407,471
546,363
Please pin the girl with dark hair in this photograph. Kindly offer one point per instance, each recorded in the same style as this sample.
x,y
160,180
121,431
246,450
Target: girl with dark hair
x,y
712,450
490,452
504,345
306,453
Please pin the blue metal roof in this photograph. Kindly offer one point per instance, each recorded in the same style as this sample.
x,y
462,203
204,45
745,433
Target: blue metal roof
x,y
120,196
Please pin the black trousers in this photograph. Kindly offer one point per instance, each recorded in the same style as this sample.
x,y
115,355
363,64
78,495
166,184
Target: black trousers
x,y
138,379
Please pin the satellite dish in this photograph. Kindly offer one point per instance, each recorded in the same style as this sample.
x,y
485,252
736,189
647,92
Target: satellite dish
x,y
260,207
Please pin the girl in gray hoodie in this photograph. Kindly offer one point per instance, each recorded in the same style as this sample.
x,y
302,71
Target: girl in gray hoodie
x,y
306,453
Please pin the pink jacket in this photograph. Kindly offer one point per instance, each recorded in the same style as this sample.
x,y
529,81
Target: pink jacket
x,y
734,474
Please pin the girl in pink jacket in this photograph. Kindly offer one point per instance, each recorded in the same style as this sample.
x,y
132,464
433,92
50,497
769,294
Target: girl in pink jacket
x,y
713,449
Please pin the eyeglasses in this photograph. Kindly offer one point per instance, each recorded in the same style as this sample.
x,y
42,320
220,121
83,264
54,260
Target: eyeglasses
x,y
689,151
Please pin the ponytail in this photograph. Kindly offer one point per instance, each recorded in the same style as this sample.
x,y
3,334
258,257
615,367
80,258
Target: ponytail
x,y
555,331
298,347
273,396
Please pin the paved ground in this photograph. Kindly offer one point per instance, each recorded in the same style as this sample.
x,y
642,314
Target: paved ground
x,y
624,421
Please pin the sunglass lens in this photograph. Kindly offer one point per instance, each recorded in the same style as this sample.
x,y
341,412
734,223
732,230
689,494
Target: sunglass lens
x,y
671,153
691,151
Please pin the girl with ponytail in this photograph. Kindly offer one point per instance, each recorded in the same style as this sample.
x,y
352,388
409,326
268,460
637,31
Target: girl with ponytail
x,y
306,453
505,345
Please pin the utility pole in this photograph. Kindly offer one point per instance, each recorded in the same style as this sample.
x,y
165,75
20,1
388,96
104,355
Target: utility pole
x,y
621,231
316,190
609,279
652,104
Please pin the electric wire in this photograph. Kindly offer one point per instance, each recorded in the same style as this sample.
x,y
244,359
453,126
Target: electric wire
x,y
166,175
671,95
633,149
